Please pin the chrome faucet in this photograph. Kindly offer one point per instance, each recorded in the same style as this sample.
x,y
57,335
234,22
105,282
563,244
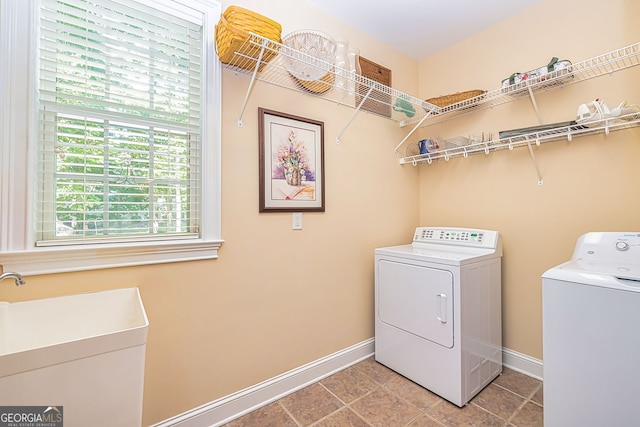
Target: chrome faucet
x,y
15,276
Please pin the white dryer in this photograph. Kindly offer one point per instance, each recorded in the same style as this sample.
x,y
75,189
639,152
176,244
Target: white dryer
x,y
438,315
590,335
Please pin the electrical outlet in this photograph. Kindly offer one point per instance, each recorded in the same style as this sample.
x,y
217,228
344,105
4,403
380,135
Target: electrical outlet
x,y
296,221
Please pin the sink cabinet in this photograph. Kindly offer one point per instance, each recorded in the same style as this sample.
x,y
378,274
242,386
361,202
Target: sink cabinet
x,y
84,353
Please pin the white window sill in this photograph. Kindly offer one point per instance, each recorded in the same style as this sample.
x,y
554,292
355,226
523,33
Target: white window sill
x,y
95,257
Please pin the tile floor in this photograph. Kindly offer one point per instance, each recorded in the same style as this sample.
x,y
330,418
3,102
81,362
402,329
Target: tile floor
x,y
369,394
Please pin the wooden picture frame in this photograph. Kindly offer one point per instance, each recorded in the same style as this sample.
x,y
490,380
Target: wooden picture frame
x,y
291,162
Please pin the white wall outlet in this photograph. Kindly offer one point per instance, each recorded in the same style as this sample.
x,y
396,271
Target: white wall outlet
x,y
296,221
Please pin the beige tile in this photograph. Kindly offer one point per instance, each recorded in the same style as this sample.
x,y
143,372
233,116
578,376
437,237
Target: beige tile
x,y
378,396
531,415
349,384
343,418
310,404
413,393
470,415
538,396
499,401
425,421
382,408
516,382
380,373
268,416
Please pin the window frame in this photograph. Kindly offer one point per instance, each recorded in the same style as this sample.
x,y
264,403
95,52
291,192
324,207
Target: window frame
x,y
18,115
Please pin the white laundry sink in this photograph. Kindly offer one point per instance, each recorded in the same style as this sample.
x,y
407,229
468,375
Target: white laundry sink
x,y
82,352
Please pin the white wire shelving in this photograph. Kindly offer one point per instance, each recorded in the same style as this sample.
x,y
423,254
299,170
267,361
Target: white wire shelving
x,y
600,65
606,63
336,84
343,87
605,125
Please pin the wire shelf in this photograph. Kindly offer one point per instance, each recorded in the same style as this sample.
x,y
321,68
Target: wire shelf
x,y
337,85
537,138
607,63
344,87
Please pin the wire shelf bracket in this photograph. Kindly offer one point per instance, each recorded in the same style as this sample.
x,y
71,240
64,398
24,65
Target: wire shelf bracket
x,y
364,98
252,81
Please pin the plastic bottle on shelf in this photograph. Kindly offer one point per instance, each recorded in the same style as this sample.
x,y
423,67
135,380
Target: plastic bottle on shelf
x,y
341,69
354,70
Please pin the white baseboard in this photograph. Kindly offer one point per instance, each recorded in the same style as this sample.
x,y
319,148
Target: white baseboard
x,y
522,363
223,410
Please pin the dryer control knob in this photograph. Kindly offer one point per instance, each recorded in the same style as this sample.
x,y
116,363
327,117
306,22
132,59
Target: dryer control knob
x,y
622,246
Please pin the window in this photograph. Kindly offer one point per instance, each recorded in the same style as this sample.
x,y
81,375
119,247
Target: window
x,y
121,158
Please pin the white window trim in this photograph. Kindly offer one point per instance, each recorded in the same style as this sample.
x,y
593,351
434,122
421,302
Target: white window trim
x,y
17,108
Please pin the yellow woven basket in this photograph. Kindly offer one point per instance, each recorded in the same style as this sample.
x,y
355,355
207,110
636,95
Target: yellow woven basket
x,y
232,31
316,86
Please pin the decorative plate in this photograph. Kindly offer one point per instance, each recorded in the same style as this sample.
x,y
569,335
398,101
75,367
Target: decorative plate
x,y
312,54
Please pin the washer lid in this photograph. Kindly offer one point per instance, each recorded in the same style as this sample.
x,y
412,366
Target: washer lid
x,y
610,274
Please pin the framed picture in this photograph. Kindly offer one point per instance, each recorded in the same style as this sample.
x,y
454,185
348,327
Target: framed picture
x,y
291,154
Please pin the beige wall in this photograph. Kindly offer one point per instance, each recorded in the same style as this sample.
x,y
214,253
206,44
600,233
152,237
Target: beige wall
x,y
590,184
275,299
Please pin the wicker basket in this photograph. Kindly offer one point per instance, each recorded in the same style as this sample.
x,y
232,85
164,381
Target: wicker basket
x,y
232,31
444,101
316,86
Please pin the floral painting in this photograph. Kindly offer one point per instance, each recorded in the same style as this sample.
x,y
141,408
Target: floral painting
x,y
291,163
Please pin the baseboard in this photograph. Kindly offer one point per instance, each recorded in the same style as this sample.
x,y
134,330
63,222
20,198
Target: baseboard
x,y
223,410
522,363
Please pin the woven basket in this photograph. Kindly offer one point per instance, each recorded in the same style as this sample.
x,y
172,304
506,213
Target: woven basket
x,y
446,100
232,32
316,86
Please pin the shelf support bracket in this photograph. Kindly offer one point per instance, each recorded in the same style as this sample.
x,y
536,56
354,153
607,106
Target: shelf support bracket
x,y
535,105
535,162
252,81
353,115
395,150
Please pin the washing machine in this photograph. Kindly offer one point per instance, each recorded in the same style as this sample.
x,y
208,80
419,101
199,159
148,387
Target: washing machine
x,y
591,333
438,315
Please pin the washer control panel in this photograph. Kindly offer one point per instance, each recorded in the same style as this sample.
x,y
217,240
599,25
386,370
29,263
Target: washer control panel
x,y
456,236
609,246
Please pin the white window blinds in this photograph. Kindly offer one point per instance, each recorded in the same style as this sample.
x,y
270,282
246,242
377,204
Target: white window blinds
x,y
119,135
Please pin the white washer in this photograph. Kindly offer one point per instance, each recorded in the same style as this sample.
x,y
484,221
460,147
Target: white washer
x,y
591,339
438,310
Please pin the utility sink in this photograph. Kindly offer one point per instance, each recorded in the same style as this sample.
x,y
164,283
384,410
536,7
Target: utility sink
x,y
83,352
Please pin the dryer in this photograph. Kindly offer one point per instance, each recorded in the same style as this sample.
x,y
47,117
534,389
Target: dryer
x,y
438,318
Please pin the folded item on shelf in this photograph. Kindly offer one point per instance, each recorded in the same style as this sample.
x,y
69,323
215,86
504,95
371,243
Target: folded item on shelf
x,y
548,128
517,81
